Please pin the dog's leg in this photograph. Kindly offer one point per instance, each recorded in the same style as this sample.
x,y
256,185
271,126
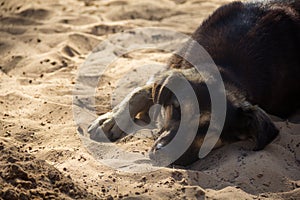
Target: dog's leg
x,y
138,101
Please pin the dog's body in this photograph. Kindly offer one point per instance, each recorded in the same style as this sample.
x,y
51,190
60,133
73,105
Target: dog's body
x,y
256,49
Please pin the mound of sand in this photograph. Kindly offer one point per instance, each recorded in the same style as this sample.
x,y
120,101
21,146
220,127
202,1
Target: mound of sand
x,y
43,44
25,177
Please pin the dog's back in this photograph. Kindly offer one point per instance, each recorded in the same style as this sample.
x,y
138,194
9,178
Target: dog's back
x,y
258,45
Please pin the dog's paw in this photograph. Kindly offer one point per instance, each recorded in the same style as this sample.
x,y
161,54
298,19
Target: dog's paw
x,y
105,124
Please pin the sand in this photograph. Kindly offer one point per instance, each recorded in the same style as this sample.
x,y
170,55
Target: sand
x,y
45,44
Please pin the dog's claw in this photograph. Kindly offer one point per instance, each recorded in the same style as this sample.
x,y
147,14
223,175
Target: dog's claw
x,y
95,124
105,124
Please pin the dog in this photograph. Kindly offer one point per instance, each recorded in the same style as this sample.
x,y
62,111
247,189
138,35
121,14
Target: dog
x,y
255,46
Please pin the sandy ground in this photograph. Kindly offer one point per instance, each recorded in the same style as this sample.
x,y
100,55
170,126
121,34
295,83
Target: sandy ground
x,y
45,44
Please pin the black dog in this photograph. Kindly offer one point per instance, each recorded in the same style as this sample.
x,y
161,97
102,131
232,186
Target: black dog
x,y
256,49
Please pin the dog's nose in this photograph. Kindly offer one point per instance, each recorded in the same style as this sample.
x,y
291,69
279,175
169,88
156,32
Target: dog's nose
x,y
159,146
156,147
163,140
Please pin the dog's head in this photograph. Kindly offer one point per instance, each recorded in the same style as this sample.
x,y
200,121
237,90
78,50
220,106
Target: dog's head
x,y
243,120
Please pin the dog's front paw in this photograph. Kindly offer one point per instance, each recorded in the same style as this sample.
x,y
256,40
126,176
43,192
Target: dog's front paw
x,y
105,124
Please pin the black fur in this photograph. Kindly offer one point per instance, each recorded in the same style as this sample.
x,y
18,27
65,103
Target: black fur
x,y
256,48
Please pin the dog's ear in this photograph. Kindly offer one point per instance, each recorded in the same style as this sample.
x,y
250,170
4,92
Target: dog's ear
x,y
157,89
161,93
258,124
